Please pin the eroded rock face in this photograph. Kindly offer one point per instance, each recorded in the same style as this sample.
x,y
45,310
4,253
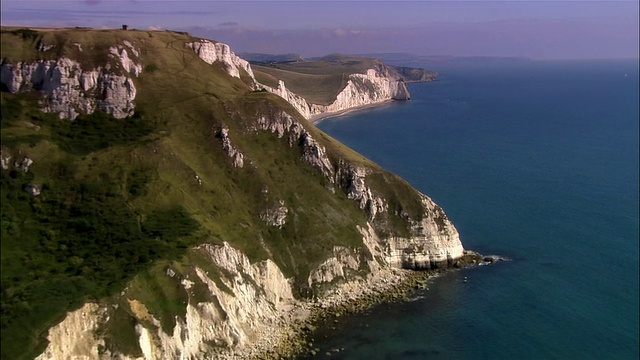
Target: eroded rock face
x,y
249,308
24,164
275,216
297,101
75,337
70,90
352,178
5,160
337,267
236,156
313,152
434,243
211,52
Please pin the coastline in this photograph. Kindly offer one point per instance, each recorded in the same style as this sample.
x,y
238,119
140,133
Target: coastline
x,y
316,119
293,335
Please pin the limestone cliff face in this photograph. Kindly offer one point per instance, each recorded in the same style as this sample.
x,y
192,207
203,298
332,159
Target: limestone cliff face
x,y
75,336
70,90
247,311
297,101
374,86
212,52
313,152
434,243
241,314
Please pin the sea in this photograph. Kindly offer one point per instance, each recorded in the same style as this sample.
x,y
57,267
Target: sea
x,y
536,161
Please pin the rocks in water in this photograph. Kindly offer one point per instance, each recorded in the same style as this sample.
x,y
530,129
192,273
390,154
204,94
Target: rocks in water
x,y
489,259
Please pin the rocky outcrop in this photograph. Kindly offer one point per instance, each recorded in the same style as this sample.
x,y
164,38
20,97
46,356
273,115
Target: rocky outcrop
x,y
24,164
343,265
32,189
127,64
351,178
211,52
5,159
276,216
247,311
297,101
313,152
236,156
70,90
434,242
75,337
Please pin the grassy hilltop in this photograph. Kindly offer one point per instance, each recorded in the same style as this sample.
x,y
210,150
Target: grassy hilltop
x,y
120,200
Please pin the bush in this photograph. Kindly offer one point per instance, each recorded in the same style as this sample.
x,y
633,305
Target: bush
x,y
151,68
93,132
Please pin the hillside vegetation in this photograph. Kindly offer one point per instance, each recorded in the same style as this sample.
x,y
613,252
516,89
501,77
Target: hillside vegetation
x,y
121,199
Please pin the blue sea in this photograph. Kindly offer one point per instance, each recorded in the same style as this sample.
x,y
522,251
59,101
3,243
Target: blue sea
x,y
533,160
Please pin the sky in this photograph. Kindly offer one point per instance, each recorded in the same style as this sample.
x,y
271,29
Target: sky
x,y
533,29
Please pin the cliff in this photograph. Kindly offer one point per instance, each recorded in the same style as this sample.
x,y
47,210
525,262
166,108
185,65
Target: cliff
x,y
346,81
156,204
361,89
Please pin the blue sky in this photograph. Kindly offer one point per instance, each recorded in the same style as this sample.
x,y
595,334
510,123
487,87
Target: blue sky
x,y
534,29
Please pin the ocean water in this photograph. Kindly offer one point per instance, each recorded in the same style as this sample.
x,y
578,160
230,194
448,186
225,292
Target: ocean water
x,y
536,161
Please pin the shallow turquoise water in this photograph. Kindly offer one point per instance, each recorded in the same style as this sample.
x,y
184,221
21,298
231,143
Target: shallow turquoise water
x,y
536,161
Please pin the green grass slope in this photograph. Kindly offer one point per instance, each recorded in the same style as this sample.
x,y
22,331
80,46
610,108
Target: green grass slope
x,y
120,200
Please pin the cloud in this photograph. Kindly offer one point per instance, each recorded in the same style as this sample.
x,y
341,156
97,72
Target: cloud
x,y
228,24
541,39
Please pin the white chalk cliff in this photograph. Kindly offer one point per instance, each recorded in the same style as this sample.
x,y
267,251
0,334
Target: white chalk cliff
x,y
372,87
70,90
247,307
212,52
